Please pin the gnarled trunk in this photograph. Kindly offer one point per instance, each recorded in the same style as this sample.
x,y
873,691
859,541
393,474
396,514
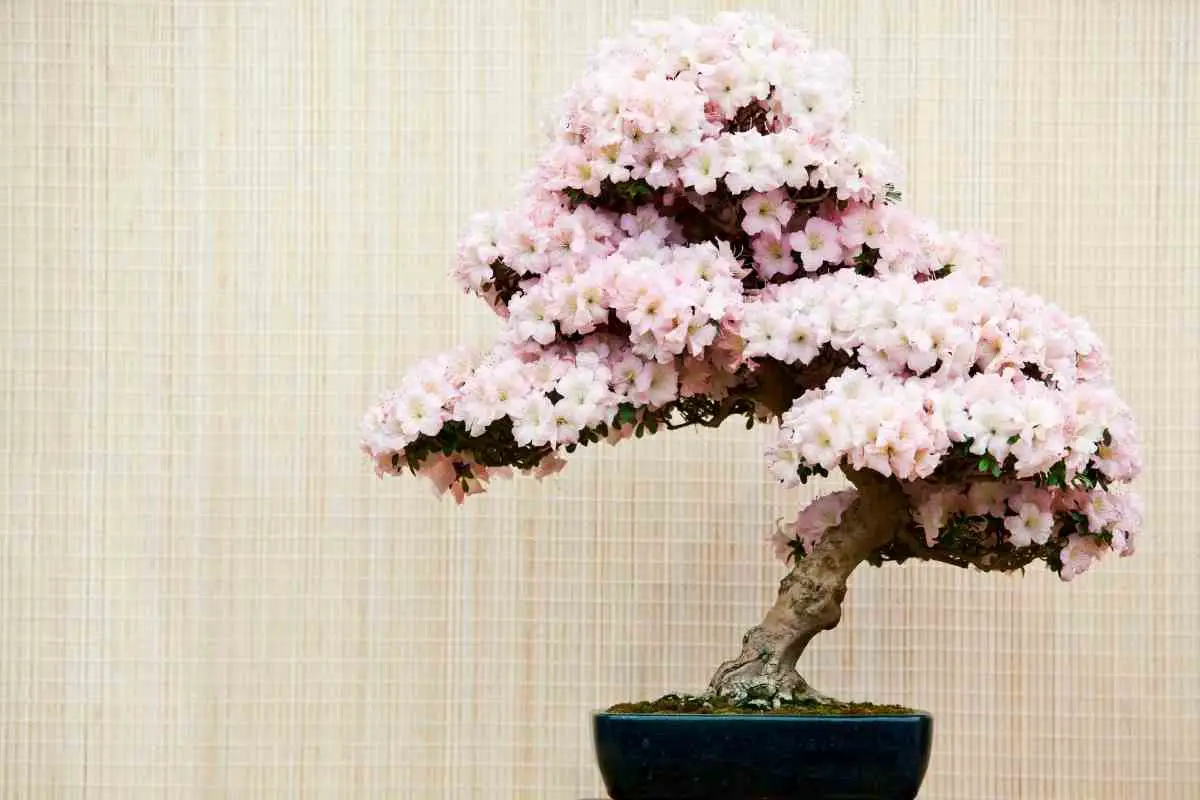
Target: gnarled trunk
x,y
810,597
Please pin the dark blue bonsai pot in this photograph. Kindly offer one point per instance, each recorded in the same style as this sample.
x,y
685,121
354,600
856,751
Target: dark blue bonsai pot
x,y
762,756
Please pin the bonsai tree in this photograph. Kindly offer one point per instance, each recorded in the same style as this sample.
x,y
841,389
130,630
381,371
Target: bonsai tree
x,y
704,240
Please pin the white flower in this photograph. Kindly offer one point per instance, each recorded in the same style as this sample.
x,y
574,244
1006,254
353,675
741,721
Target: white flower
x,y
532,318
533,421
1030,525
656,386
752,164
766,212
418,412
817,244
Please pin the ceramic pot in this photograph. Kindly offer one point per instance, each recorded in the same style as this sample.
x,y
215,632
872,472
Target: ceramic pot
x,y
762,757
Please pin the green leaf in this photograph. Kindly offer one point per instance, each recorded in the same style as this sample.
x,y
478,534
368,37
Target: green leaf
x,y
1055,476
1083,481
1014,438
632,190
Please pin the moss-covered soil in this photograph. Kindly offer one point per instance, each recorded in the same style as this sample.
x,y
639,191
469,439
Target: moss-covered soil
x,y
690,704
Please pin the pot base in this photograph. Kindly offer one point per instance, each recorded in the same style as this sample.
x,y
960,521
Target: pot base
x,y
762,756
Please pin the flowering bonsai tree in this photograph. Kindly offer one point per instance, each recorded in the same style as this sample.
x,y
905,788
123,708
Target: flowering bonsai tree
x,y
703,240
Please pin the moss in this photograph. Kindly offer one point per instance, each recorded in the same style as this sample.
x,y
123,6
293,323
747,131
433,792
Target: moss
x,y
690,704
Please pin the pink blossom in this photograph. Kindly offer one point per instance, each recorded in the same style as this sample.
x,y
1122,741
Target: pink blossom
x,y
703,167
696,378
1078,556
575,169
796,154
825,440
781,540
863,225
550,465
934,510
583,305
752,164
656,386
533,421
804,335
987,497
418,412
730,85
817,244
651,311
1030,525
771,257
1101,510
439,469
617,433
532,318
569,418
819,516
766,212
647,220
629,372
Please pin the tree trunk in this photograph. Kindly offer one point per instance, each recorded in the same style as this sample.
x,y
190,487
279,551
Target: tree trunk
x,y
810,597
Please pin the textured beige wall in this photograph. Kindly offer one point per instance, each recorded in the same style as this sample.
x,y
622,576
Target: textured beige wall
x,y
225,227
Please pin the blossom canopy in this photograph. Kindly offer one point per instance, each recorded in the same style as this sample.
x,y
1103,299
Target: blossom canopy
x,y
703,239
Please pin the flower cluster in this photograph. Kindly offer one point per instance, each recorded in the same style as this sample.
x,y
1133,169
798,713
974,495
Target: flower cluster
x,y
542,400
682,106
811,524
1075,527
701,221
1005,422
945,329
883,239
542,233
673,300
675,114
1078,525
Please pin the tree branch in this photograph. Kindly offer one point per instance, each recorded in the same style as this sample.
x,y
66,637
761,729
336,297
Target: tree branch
x,y
988,560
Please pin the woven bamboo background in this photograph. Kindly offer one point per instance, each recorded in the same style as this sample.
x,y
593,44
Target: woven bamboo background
x,y
225,228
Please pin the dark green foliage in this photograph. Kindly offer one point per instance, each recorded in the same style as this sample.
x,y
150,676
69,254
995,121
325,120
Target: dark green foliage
x,y
944,271
988,463
864,262
1056,477
496,447
805,472
621,197
961,461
